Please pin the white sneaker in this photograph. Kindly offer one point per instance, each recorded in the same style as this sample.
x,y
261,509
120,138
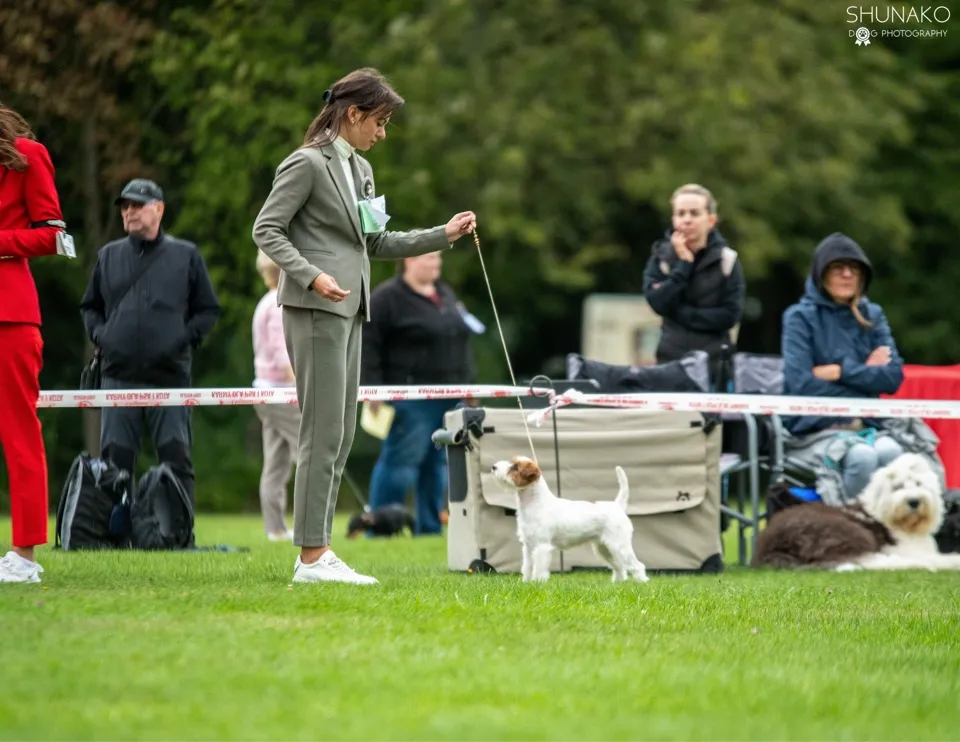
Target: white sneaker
x,y
14,568
329,568
285,536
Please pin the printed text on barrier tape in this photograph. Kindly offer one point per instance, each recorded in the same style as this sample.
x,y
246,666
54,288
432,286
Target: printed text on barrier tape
x,y
752,403
759,405
277,395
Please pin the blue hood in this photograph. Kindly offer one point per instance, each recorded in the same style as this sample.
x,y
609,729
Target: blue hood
x,y
838,246
818,331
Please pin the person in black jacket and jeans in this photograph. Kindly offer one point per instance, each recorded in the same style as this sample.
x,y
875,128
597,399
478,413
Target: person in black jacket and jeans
x,y
148,304
417,335
694,281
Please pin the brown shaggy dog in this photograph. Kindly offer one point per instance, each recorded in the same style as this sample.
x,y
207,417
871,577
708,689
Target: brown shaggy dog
x,y
816,535
891,526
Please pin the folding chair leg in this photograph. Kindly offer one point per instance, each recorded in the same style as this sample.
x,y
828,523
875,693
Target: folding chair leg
x,y
754,485
778,456
743,519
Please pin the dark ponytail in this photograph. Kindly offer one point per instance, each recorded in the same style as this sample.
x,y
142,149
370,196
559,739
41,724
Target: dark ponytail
x,y
364,88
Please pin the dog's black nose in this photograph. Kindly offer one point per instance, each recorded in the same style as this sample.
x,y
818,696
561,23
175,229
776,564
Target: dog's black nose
x,y
913,504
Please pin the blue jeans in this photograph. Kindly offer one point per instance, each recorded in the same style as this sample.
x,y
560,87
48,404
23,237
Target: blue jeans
x,y
409,461
862,460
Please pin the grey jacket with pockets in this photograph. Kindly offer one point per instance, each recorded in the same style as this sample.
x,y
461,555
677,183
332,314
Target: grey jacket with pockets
x,y
310,224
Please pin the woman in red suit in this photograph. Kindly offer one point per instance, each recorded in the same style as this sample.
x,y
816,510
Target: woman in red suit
x,y
30,219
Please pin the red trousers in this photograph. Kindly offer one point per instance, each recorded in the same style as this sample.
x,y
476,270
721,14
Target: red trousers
x,y
21,357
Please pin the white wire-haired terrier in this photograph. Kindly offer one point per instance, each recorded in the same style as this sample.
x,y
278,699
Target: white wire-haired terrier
x,y
906,496
546,522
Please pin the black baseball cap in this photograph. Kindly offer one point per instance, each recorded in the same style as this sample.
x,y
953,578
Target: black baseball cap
x,y
140,190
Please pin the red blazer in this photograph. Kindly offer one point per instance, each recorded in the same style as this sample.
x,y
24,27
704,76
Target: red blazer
x,y
25,197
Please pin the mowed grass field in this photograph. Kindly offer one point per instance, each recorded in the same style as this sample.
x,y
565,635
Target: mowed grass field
x,y
206,646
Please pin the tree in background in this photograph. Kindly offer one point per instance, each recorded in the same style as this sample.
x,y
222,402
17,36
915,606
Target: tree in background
x,y
569,126
566,127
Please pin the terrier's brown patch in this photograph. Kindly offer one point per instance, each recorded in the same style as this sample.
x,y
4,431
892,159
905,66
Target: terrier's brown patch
x,y
524,473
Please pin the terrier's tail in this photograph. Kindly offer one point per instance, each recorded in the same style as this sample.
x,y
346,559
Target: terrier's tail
x,y
623,496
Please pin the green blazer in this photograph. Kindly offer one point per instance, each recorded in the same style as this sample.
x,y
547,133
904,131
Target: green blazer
x,y
310,224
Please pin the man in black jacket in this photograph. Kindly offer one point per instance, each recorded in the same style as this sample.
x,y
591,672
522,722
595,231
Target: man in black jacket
x,y
149,303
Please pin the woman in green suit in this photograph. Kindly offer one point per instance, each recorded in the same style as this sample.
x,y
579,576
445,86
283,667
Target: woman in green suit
x,y
317,224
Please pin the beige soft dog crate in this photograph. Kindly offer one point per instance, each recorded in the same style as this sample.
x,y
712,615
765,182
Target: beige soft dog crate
x,y
672,462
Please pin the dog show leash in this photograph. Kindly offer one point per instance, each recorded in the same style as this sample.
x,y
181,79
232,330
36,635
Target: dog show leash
x,y
503,342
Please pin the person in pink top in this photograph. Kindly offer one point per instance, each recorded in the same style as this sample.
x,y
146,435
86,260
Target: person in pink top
x,y
280,422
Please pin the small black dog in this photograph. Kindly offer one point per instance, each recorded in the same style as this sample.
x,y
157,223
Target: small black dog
x,y
948,537
388,520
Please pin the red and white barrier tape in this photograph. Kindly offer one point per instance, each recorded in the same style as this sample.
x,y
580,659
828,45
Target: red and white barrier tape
x,y
280,395
681,402
757,404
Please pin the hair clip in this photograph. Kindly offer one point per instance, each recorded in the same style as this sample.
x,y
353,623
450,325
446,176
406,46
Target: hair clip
x,y
328,96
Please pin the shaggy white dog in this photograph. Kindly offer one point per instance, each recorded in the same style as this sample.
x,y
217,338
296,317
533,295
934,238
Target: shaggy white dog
x,y
907,498
546,522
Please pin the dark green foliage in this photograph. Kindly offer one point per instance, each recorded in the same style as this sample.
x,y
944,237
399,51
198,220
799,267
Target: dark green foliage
x,y
565,126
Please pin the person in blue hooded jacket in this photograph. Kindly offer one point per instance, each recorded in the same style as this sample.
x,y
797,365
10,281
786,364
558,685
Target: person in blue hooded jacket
x,y
837,343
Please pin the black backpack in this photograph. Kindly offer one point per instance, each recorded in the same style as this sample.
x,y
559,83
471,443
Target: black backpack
x,y
93,512
161,516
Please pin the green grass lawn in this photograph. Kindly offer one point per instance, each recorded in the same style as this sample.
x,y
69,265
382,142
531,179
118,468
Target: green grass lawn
x,y
220,646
